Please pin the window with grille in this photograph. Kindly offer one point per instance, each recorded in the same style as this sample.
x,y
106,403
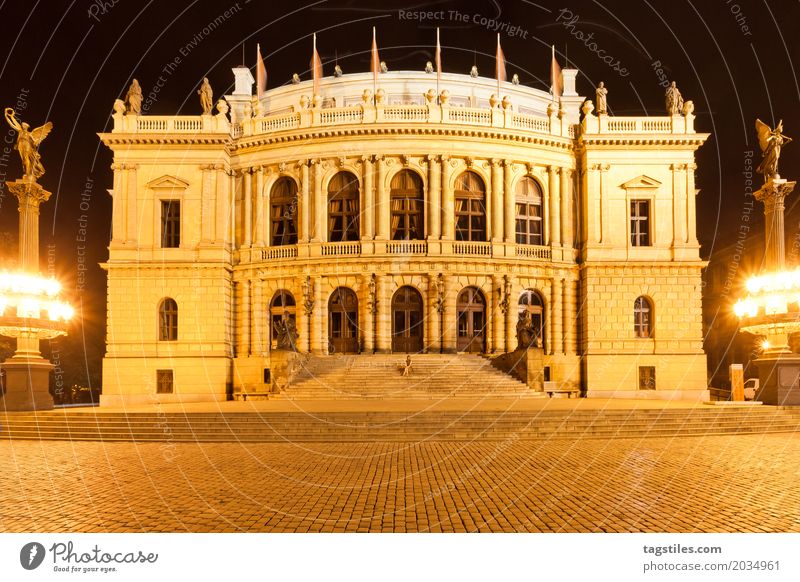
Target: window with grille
x,y
165,382
529,212
168,320
283,212
170,224
343,208
407,206
470,208
642,317
640,223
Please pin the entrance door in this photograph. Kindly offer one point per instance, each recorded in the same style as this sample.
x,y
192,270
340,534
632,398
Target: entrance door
x,y
407,321
343,322
471,321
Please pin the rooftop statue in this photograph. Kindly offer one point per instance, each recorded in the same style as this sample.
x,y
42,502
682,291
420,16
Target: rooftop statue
x,y
337,71
771,142
134,98
206,97
429,67
28,144
674,101
601,101
295,79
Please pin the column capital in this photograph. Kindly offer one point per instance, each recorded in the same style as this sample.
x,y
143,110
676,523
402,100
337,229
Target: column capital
x,y
432,158
496,162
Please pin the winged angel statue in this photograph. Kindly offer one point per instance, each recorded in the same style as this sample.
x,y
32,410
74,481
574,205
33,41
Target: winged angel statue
x,y
771,142
27,145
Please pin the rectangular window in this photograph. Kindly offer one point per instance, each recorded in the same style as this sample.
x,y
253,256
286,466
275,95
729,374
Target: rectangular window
x,y
640,223
164,382
647,377
170,224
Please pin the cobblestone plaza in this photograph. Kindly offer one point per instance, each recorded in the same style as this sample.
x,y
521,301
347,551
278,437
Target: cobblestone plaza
x,y
690,484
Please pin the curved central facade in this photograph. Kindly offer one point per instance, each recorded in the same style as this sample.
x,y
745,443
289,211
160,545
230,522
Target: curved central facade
x,y
402,222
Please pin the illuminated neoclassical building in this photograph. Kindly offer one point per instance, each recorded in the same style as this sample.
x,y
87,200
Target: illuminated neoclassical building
x,y
402,222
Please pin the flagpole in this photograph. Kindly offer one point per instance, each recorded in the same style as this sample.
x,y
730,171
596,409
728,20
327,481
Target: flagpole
x,y
497,65
438,65
552,73
374,72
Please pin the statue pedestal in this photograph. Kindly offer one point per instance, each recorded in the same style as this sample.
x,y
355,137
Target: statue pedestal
x,y
27,381
779,379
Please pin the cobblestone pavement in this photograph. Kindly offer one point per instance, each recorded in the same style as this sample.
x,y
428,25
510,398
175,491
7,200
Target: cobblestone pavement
x,y
692,484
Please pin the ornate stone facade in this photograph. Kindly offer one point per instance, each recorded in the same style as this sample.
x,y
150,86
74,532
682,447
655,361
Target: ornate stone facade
x,y
402,224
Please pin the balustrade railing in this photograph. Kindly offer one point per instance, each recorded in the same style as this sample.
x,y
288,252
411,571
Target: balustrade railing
x,y
407,247
341,249
282,252
483,249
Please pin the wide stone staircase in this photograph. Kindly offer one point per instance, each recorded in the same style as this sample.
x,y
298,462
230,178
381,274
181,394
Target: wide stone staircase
x,y
380,376
394,426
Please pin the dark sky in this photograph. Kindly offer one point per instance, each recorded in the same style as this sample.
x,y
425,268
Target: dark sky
x,y
70,60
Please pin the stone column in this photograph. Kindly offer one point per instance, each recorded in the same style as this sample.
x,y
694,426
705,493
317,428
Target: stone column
x,y
498,321
305,204
317,328
367,316
549,318
383,341
383,205
570,317
450,316
497,201
220,204
368,199
555,215
247,199
207,204
131,195
117,206
259,198
448,202
509,202
233,175
566,203
320,205
433,329
257,319
434,198
556,321
511,318
691,205
247,338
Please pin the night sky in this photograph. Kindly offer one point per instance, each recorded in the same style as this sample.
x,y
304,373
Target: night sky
x,y
67,61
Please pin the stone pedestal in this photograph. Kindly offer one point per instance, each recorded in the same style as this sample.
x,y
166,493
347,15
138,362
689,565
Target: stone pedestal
x,y
779,379
26,382
737,382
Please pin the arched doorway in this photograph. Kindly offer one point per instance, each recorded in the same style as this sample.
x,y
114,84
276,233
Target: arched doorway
x,y
343,321
283,316
407,320
471,321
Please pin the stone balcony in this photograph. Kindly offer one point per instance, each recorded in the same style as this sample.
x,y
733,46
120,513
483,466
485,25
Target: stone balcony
x,y
439,249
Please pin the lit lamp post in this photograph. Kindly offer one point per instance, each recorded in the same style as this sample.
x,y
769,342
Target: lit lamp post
x,y
30,308
772,306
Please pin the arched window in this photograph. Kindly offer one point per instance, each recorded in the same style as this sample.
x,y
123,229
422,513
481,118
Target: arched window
x,y
470,210
642,317
283,314
529,212
168,320
343,208
283,212
532,304
407,206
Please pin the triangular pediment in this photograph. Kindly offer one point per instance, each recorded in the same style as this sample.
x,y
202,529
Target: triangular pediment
x,y
168,182
641,182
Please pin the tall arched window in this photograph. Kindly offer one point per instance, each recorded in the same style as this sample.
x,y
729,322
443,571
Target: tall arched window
x,y
531,305
343,208
407,206
642,317
168,320
529,212
470,210
283,212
